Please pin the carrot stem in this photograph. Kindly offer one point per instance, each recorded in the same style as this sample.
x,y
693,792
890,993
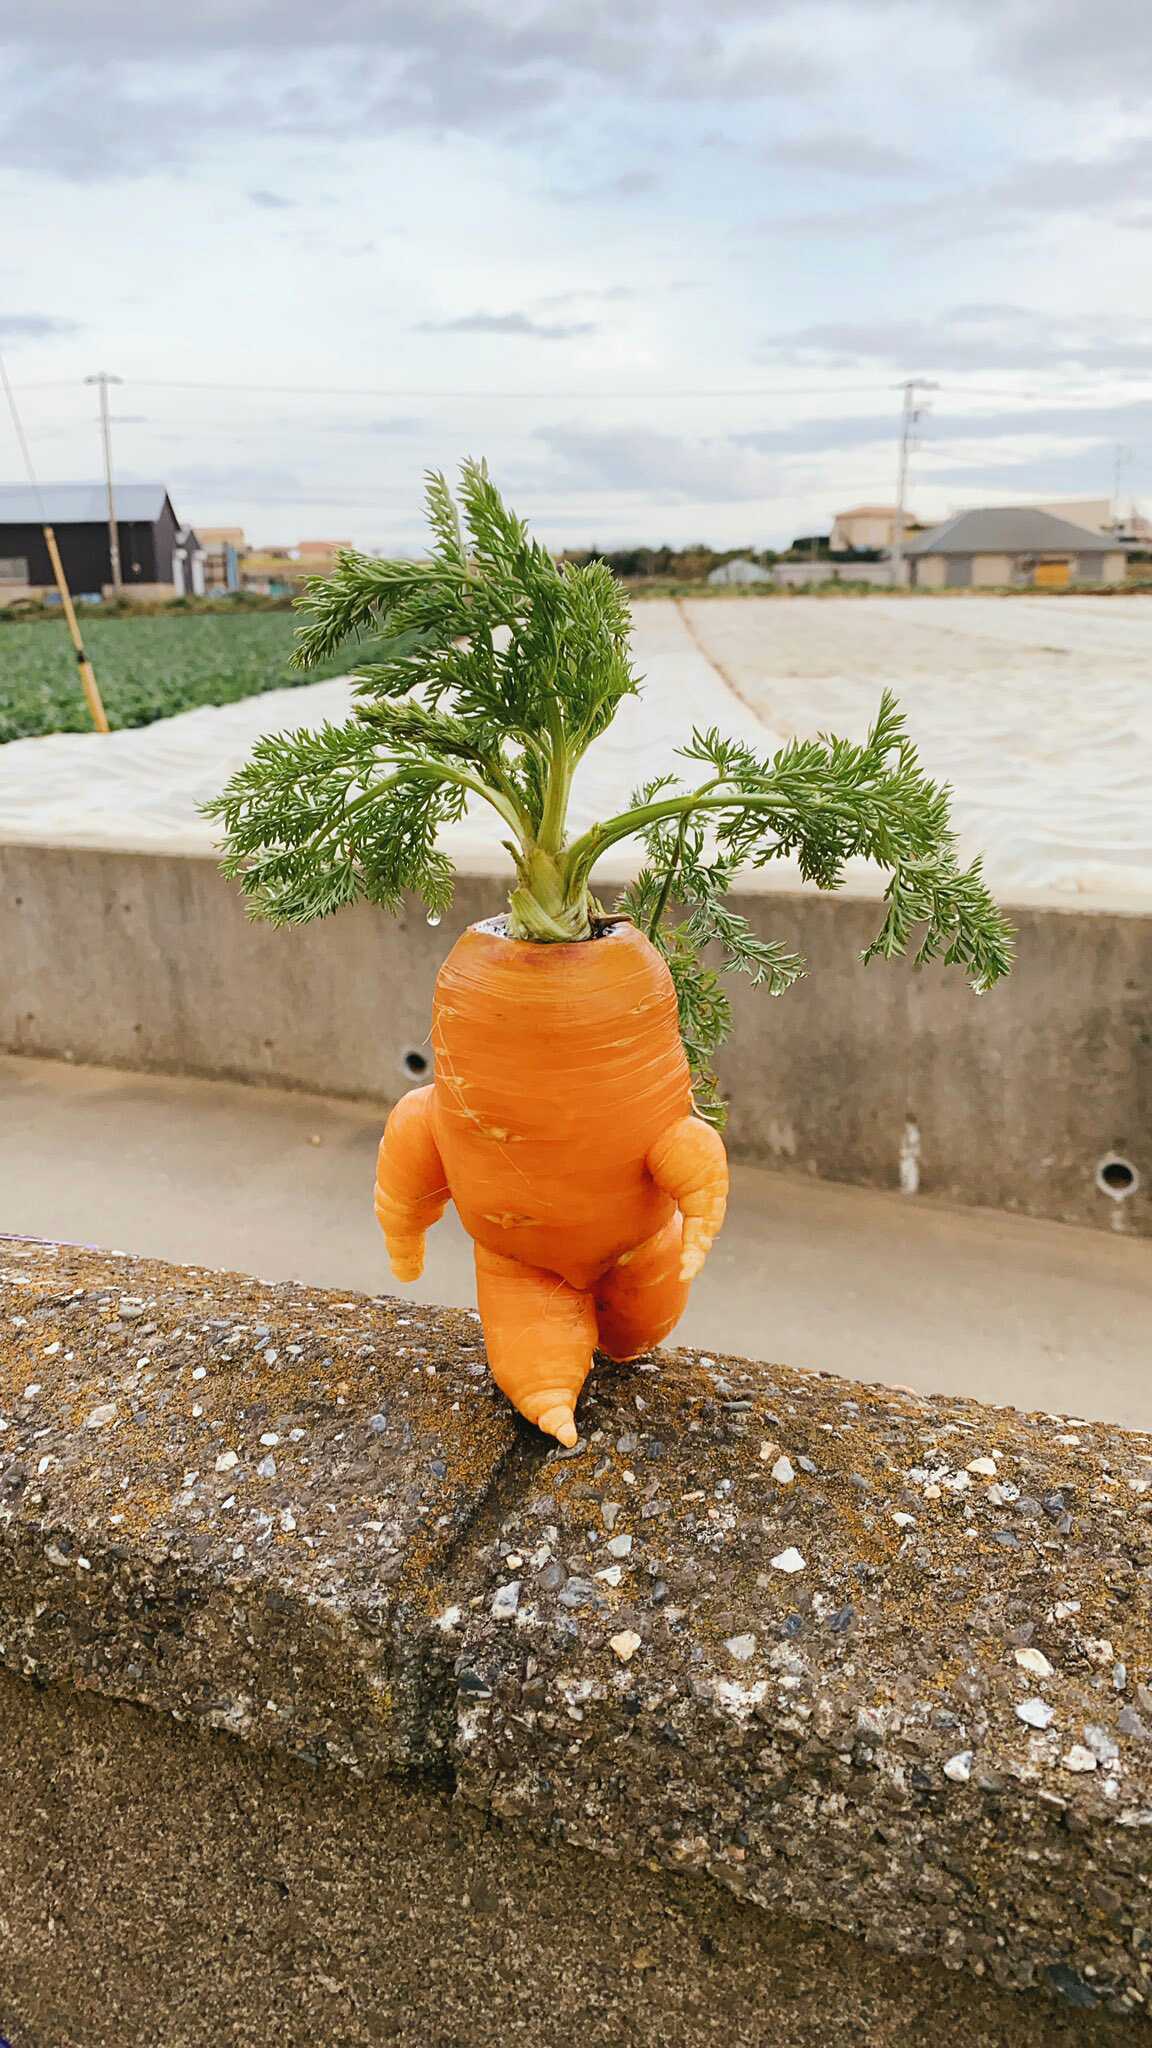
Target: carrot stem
x,y
666,884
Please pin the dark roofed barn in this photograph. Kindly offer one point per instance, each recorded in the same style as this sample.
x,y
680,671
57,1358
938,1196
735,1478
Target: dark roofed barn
x,y
155,550
1012,544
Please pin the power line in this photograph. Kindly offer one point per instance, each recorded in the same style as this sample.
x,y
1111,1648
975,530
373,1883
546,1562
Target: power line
x,y
488,391
520,395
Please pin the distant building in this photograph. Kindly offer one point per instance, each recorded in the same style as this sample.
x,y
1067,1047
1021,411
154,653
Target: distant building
x,y
282,571
318,557
1133,532
740,571
1094,512
1012,544
159,558
224,549
868,526
270,572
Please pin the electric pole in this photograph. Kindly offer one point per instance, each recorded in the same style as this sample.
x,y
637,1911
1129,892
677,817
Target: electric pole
x,y
104,378
1123,456
909,415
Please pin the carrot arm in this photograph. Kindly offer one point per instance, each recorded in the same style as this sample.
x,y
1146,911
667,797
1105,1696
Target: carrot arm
x,y
411,1186
690,1164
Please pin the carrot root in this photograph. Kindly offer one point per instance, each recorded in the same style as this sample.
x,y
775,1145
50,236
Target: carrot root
x,y
559,1124
642,1298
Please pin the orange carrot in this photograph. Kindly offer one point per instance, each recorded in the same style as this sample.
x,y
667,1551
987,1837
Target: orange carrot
x,y
561,1123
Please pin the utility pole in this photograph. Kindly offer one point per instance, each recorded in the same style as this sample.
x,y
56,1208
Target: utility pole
x,y
909,415
1123,456
104,378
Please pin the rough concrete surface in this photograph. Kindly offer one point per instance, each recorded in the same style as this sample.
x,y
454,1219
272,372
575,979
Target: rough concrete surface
x,y
877,1285
847,1655
145,960
163,1888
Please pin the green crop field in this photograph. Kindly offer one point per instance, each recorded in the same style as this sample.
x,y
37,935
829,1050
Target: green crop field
x,y
147,668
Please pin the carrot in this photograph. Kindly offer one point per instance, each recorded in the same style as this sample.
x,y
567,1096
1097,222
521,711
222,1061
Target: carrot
x,y
561,1121
574,1116
413,1195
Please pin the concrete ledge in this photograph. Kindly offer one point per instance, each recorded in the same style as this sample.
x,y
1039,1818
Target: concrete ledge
x,y
278,1904
414,1583
145,960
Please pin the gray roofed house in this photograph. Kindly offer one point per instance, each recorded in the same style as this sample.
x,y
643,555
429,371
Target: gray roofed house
x,y
158,556
1012,544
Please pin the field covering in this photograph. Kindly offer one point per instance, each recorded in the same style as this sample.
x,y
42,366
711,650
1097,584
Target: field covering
x,y
1038,712
147,668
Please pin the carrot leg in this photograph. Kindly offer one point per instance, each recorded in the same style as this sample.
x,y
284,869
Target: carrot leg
x,y
642,1297
690,1164
411,1188
540,1335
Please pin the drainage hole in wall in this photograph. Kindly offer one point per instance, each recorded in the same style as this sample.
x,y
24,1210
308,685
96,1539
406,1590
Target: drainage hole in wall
x,y
415,1062
1116,1177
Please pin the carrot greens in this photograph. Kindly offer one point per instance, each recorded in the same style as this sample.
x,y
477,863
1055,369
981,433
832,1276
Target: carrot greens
x,y
492,671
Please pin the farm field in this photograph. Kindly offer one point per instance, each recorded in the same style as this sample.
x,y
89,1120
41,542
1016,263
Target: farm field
x,y
147,668
1038,711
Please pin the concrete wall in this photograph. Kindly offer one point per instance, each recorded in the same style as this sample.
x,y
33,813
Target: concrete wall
x,y
797,574
324,1914
858,1074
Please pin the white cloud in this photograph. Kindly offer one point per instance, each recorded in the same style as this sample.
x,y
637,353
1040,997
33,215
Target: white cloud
x,y
516,323
974,337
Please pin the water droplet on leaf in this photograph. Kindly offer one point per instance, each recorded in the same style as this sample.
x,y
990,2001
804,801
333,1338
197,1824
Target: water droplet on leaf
x,y
433,917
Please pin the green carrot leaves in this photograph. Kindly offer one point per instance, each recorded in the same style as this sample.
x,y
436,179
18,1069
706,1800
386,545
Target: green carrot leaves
x,y
491,670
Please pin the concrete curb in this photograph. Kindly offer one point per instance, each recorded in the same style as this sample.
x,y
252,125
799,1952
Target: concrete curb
x,y
867,1658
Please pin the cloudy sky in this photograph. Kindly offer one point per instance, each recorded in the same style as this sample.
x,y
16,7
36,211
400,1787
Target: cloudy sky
x,y
665,265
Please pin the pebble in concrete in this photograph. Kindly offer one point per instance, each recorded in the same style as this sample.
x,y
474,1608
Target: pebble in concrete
x,y
1036,1713
789,1560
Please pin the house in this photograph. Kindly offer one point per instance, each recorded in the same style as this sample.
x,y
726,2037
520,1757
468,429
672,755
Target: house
x,y
1133,532
868,526
740,571
224,549
159,558
1012,544
1098,513
283,571
319,557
